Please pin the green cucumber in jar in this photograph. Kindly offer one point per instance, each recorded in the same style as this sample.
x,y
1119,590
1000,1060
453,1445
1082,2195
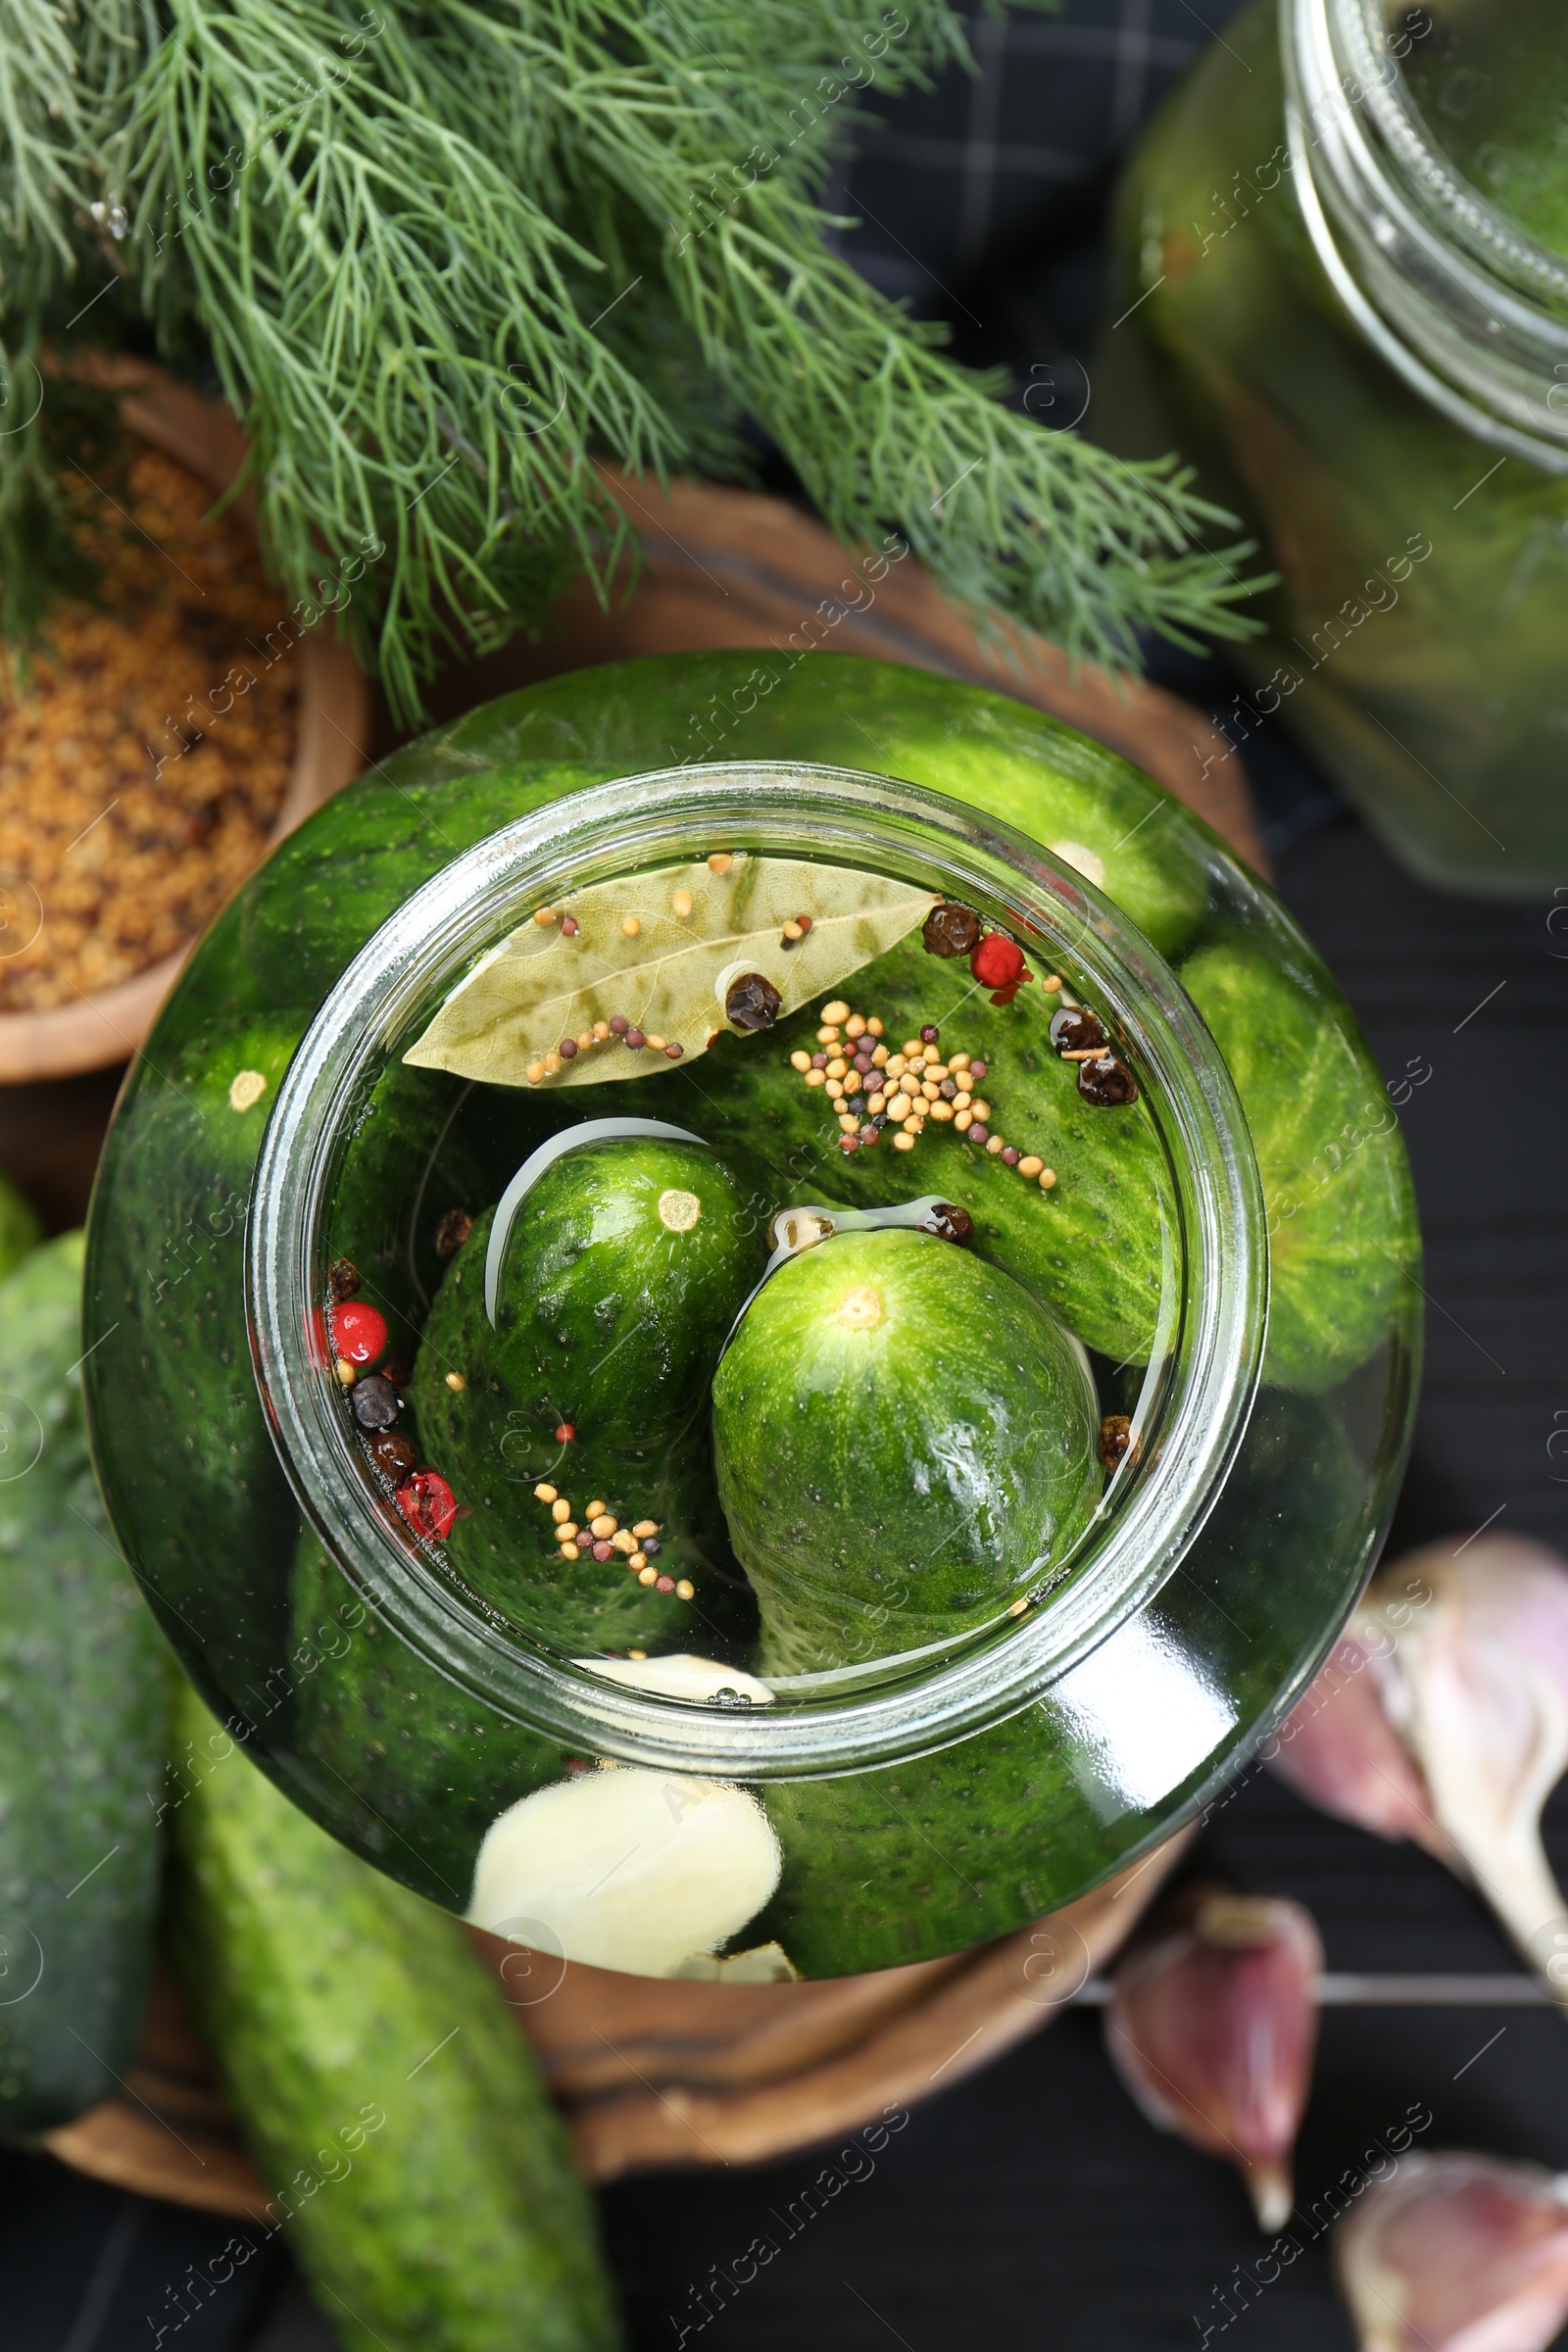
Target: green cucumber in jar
x,y
1337,1191
425,1767
1098,1244
424,2177
326,890
623,1268
905,1445
83,1730
167,1273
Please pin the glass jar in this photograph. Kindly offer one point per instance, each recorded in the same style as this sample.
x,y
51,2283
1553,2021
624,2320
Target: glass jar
x,y
1339,286
665,1735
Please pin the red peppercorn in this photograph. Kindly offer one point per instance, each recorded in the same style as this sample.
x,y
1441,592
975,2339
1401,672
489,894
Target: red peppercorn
x,y
568,927
565,1434
568,1048
998,960
673,1053
998,964
665,1584
428,1504
359,1331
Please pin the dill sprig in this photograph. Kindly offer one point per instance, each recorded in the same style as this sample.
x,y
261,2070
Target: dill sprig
x,y
444,257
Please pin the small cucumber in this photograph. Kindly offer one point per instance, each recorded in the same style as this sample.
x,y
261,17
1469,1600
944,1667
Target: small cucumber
x,y
622,1274
905,1445
82,1709
1336,1182
388,2096
166,1280
1096,1245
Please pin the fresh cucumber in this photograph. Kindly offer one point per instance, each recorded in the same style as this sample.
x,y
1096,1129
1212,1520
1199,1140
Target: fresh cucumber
x,y
389,2098
595,1340
82,1708
166,1281
424,1768
1095,1245
906,1446
1336,1182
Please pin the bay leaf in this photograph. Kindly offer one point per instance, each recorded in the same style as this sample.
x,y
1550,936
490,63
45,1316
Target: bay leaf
x,y
540,985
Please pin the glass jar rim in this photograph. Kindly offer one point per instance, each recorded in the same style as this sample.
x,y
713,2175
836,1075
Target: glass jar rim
x,y
636,824
1459,299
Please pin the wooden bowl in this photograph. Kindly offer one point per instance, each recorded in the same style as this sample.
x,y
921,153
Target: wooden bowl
x,y
331,739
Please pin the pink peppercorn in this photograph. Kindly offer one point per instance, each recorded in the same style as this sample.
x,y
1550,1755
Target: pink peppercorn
x,y
359,1331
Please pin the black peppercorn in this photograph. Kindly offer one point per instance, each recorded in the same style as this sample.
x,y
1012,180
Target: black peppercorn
x,y
1107,1081
342,1280
651,1548
451,1232
951,1222
1115,1436
950,930
1073,1030
393,1454
752,1002
374,1403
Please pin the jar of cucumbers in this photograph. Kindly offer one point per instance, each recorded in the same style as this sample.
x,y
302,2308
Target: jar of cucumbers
x,y
1339,286
759,1368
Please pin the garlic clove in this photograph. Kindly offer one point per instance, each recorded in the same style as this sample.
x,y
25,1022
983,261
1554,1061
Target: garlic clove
x,y
1340,1751
625,1868
1456,2253
1476,1683
1212,2030
681,1673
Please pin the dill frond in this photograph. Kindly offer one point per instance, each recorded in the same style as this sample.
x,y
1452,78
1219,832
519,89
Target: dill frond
x,y
443,257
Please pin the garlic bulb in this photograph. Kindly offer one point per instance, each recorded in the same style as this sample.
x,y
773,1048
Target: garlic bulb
x,y
1212,2030
1466,1656
625,1868
1457,2253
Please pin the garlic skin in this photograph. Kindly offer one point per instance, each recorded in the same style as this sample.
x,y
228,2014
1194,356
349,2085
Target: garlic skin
x,y
1213,2029
1466,1652
1456,2253
627,1868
